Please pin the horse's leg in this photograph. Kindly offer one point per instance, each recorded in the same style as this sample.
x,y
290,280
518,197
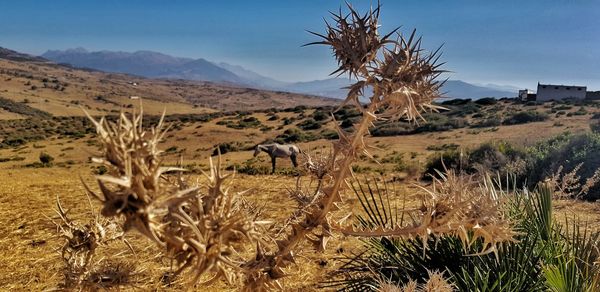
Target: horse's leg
x,y
273,163
294,161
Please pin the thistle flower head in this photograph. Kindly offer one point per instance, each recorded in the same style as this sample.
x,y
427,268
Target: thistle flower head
x,y
354,39
407,79
402,76
201,230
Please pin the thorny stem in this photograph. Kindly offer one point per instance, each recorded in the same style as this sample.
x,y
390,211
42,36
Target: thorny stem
x,y
336,188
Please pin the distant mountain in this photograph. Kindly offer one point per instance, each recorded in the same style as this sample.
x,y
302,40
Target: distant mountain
x,y
452,89
146,64
333,87
16,56
500,87
254,79
461,89
157,65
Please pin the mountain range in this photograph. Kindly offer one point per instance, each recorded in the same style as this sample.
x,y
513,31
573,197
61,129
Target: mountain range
x,y
157,65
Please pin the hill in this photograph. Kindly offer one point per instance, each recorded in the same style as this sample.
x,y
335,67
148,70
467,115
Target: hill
x,y
61,90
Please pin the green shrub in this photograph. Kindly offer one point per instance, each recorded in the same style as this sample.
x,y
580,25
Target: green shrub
x,y
489,122
486,101
22,108
442,161
457,101
440,123
567,151
525,117
329,134
392,129
320,115
442,147
295,135
309,124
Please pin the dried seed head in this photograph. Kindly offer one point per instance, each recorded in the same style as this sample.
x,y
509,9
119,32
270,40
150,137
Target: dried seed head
x,y
202,231
354,39
406,79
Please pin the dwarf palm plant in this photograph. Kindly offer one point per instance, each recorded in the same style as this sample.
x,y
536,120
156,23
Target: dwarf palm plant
x,y
542,256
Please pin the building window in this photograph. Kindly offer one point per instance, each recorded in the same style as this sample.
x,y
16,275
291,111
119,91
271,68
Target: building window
x,y
568,88
579,88
543,86
555,87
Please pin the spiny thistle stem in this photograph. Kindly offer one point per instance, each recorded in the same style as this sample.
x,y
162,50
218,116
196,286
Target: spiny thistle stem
x,y
339,181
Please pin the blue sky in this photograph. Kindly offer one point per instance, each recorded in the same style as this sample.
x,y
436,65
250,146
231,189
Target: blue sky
x,y
501,42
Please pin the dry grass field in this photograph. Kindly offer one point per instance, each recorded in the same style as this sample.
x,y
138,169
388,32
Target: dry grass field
x,y
27,194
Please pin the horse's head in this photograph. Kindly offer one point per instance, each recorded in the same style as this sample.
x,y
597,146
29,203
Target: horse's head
x,y
256,150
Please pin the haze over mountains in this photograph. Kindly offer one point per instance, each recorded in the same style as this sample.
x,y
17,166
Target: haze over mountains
x,y
158,65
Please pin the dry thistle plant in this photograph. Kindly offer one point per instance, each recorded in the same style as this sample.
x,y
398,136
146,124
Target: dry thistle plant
x,y
568,184
80,246
403,83
435,283
200,230
205,230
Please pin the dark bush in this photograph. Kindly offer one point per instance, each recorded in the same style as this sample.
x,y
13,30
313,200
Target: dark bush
x,y
46,158
320,115
489,122
224,148
525,117
392,129
309,124
22,108
329,134
294,135
441,161
457,101
486,101
439,122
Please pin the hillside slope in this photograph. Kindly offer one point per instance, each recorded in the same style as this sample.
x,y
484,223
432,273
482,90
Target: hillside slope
x,y
62,90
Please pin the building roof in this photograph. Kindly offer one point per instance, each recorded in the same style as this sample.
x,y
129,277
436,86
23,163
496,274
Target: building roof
x,y
561,85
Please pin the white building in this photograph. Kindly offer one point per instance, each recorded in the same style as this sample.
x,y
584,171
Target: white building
x,y
547,92
526,95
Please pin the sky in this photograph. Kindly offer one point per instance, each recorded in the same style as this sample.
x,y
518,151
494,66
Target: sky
x,y
502,42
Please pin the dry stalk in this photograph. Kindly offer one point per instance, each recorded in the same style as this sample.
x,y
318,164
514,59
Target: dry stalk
x,y
456,206
568,185
435,283
80,245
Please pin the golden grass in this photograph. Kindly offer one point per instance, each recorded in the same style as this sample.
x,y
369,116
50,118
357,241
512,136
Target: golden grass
x,y
31,261
28,246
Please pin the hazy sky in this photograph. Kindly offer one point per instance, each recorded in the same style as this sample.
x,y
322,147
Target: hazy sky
x,y
503,41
